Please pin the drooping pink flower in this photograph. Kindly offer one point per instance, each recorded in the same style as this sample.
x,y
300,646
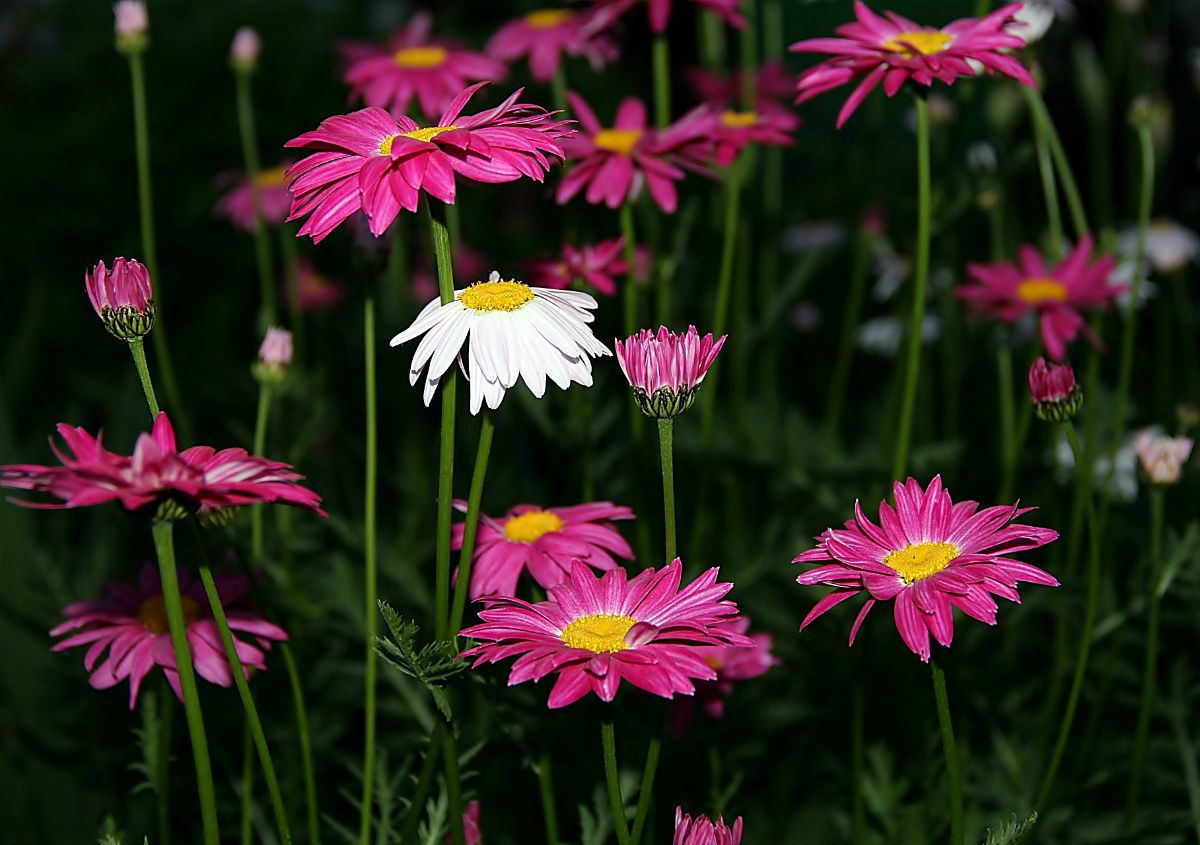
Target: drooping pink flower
x,y
543,541
614,163
128,629
1009,291
595,631
665,370
413,64
928,555
123,298
237,206
158,473
378,163
1055,394
732,131
701,830
545,36
596,264
1162,457
894,50
314,292
606,12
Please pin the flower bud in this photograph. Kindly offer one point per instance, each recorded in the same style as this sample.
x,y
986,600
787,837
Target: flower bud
x,y
665,370
274,356
1056,396
132,25
1162,457
243,53
122,297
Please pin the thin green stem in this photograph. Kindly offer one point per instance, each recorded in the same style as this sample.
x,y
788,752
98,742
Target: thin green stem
x,y
1062,164
416,808
453,789
558,87
1150,662
953,775
370,597
733,185
711,37
1049,190
1008,420
612,778
162,783
545,776
629,234
306,756
262,242
471,526
662,81
139,361
247,786
164,546
921,280
666,453
260,445
858,760
840,380
291,269
646,791
1187,750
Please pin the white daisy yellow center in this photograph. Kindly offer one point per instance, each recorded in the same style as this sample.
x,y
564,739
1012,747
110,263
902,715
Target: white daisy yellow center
x,y
425,133
546,18
617,140
419,57
1037,291
739,119
272,178
152,613
920,42
528,527
496,295
920,560
602,633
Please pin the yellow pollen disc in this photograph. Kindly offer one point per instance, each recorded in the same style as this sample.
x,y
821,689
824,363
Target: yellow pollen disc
x,y
420,56
426,133
546,18
920,560
739,119
602,633
528,527
501,296
272,178
152,613
1037,291
617,140
921,42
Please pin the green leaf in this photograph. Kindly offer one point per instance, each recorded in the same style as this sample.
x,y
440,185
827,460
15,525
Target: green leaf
x,y
432,664
1011,832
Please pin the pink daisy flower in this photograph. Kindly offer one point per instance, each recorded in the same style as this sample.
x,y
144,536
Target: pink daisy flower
x,y
1162,458
545,36
703,831
894,50
314,292
378,163
237,206
412,64
733,130
613,163
158,474
544,541
733,664
595,264
665,370
128,629
595,631
1010,291
774,87
606,12
929,555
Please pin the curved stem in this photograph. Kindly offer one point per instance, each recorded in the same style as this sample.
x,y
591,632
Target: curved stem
x,y
1049,191
371,615
247,786
1008,420
262,243
612,778
1041,115
471,526
953,775
646,792
306,757
162,788
662,81
733,185
416,807
629,234
558,87
138,351
1150,662
291,270
453,789
546,788
666,451
260,445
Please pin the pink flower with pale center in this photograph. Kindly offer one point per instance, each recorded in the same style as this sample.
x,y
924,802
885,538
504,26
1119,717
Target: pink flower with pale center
x,y
1162,457
700,830
596,264
158,473
928,555
314,292
666,370
413,64
128,629
606,12
380,164
613,163
894,50
544,541
594,632
274,198
545,36
1056,294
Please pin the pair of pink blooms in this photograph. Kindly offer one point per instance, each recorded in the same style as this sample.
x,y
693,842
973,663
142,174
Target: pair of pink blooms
x,y
597,265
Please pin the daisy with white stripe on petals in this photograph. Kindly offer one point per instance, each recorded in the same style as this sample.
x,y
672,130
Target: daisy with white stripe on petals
x,y
512,331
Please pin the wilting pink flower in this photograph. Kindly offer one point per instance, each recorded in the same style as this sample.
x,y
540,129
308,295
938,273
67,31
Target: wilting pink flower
x,y
158,473
1009,291
703,831
614,163
1056,396
606,12
595,631
314,292
273,198
130,20
414,64
894,50
243,52
930,555
276,349
545,36
773,89
128,628
595,264
543,541
123,298
665,370
1162,457
733,130
378,163
733,664
469,265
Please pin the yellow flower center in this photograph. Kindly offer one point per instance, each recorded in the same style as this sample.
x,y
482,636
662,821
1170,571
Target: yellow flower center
x,y
426,133
272,178
152,613
739,119
546,18
602,633
1037,291
500,296
420,56
920,560
530,526
617,140
920,42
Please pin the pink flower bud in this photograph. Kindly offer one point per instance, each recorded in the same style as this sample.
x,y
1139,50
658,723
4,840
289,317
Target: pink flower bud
x,y
665,369
122,297
276,349
1056,396
1162,457
131,23
245,48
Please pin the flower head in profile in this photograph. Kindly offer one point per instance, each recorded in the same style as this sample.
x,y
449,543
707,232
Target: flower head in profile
x,y
513,332
122,298
894,50
544,36
700,830
245,48
158,475
1056,294
543,542
666,369
380,164
313,291
593,632
928,555
414,64
1162,457
274,198
126,632
597,265
1052,387
274,356
605,13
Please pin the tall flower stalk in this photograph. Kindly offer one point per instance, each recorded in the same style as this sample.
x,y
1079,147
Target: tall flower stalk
x,y
471,526
371,565
268,310
1150,660
953,773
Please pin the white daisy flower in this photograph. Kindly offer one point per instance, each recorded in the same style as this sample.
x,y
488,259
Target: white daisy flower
x,y
512,331
1169,245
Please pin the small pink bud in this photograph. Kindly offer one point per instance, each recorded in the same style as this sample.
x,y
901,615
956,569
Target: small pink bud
x,y
131,24
243,53
1056,396
1162,457
276,349
665,369
122,298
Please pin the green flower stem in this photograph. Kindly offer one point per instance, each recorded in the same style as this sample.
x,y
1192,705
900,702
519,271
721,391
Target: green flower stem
x,y
558,87
921,281
629,233
471,527
1083,490
1041,117
306,757
370,598
416,808
662,81
162,792
164,546
453,789
545,776
247,786
1045,162
733,187
262,243
1150,662
858,759
953,775
1008,419
612,778
138,351
711,38
291,270
666,452
840,380
260,445
646,793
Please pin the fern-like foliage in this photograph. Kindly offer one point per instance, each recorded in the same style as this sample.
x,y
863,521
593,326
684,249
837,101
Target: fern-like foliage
x,y
1011,832
432,664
